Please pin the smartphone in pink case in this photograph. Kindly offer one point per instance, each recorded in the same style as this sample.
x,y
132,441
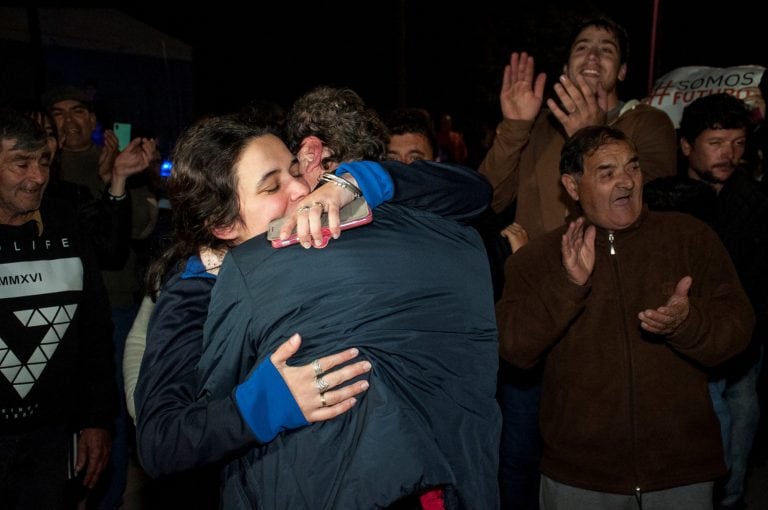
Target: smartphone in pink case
x,y
354,214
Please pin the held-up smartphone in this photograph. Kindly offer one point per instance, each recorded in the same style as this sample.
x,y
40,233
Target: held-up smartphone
x,y
123,134
354,214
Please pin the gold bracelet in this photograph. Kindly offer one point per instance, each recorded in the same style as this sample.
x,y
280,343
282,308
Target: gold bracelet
x,y
342,183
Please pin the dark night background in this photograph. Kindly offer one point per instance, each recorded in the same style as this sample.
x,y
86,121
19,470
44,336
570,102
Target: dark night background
x,y
443,56
432,52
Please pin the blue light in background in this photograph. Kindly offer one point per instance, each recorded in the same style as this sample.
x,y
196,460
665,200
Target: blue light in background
x,y
165,168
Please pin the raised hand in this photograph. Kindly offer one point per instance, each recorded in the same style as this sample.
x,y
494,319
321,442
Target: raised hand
x,y
578,251
521,97
665,319
132,160
135,157
581,106
108,154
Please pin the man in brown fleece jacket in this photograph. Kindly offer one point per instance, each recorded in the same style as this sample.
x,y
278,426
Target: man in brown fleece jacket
x,y
626,308
522,162
522,166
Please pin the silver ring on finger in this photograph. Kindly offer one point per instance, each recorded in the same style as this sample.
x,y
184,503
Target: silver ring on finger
x,y
316,367
303,208
321,384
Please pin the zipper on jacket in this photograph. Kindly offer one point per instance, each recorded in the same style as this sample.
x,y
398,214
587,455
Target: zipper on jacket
x,y
628,356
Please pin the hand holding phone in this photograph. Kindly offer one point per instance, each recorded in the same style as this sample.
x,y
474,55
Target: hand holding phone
x,y
123,133
352,215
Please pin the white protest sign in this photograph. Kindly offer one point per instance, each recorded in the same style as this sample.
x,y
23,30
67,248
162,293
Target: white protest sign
x,y
673,91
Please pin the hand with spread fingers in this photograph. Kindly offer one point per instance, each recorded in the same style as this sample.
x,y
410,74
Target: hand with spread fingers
x,y
578,251
319,390
581,106
521,96
307,218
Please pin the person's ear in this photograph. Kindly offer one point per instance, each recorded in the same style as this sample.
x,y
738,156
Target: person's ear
x,y
310,154
622,72
229,233
571,185
685,147
310,158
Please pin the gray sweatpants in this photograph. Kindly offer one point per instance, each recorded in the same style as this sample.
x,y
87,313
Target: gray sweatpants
x,y
558,496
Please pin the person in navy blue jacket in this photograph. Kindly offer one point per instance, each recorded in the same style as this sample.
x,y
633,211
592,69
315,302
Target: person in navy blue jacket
x,y
412,292
174,431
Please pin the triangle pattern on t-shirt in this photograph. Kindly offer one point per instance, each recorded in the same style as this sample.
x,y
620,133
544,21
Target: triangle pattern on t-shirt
x,y
24,375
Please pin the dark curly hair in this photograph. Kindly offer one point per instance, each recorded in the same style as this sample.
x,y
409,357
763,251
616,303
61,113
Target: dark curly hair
x,y
610,26
716,111
585,142
406,120
341,120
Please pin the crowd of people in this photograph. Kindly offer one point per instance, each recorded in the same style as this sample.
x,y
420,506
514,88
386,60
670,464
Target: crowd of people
x,y
578,323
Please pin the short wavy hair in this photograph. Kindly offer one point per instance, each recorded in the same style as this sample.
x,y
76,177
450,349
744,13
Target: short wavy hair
x,y
608,25
405,120
716,111
342,122
585,142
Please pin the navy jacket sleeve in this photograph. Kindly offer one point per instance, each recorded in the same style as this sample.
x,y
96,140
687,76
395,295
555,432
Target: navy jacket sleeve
x,y
448,190
174,430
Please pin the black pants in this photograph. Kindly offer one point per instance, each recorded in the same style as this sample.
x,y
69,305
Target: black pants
x,y
33,468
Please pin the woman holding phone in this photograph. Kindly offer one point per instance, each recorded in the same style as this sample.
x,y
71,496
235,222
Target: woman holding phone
x,y
230,180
